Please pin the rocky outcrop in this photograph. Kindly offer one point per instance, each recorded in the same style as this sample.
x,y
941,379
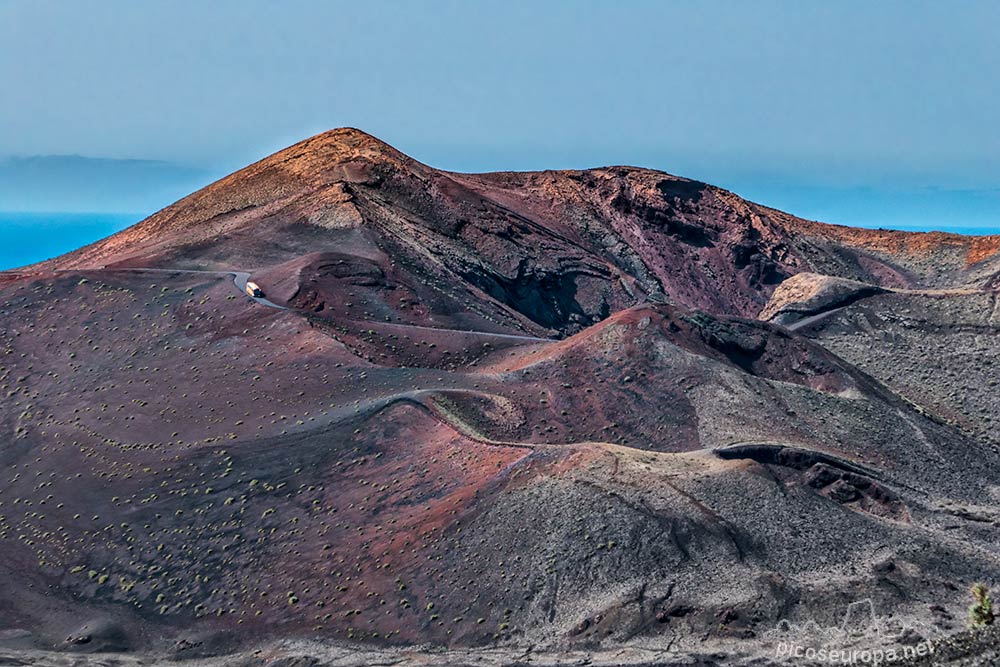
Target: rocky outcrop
x,y
808,294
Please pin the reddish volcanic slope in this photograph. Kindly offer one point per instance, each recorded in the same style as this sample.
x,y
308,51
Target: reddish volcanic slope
x,y
548,251
502,409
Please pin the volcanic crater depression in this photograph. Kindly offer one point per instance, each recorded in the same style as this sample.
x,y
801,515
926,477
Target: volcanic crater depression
x,y
497,409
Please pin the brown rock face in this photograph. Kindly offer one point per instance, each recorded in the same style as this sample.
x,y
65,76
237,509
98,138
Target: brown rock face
x,y
507,410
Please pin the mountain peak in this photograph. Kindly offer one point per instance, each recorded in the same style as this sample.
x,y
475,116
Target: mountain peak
x,y
339,145
350,134
301,200
349,137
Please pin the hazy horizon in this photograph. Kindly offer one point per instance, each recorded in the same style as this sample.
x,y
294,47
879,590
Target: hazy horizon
x,y
847,112
137,188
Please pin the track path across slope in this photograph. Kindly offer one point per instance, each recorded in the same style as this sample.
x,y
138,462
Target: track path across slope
x,y
240,279
816,317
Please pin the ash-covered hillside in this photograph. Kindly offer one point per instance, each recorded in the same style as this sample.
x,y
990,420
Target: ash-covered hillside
x,y
489,412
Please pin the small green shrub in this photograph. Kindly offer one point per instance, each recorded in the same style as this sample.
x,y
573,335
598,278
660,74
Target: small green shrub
x,y
981,611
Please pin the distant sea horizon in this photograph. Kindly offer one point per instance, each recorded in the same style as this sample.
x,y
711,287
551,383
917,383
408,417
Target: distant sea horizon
x,y
26,238
30,237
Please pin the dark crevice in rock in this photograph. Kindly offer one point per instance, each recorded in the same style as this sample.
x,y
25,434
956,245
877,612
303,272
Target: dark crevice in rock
x,y
548,298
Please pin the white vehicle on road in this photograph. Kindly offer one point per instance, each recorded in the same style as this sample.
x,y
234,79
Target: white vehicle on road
x,y
254,290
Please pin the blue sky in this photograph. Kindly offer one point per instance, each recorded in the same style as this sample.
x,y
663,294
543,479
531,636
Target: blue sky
x,y
850,111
